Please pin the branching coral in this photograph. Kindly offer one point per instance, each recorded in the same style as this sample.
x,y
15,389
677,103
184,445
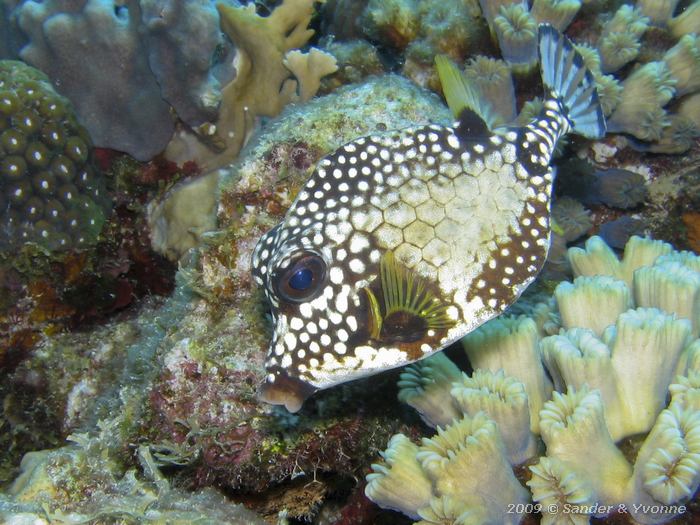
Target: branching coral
x,y
262,86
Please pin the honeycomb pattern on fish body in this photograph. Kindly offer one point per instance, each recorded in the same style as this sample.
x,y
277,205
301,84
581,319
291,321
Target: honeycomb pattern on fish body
x,y
469,217
400,244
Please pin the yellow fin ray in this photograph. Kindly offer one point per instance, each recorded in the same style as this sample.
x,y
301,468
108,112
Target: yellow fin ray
x,y
407,294
460,94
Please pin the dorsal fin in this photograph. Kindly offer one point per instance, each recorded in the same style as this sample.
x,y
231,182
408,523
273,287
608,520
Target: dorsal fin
x,y
473,113
471,126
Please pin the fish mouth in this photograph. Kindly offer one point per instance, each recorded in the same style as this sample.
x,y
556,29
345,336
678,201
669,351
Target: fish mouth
x,y
285,390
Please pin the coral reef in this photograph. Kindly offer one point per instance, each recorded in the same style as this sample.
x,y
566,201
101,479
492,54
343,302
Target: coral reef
x,y
516,32
462,471
625,335
619,42
50,193
168,63
180,375
356,59
640,111
637,101
639,108
144,59
158,398
421,30
266,55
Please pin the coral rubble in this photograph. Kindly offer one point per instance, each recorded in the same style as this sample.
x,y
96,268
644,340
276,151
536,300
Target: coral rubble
x,y
52,483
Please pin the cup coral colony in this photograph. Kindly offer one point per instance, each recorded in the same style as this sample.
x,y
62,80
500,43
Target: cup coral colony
x,y
497,199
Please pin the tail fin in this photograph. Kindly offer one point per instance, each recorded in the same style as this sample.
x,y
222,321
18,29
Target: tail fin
x,y
569,81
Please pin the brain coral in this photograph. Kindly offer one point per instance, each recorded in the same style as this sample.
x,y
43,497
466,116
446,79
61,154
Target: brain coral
x,y
49,192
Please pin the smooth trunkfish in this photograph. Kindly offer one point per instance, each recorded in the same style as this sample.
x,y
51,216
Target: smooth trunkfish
x,y
401,243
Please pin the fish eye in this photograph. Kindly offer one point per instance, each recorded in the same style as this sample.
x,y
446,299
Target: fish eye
x,y
303,279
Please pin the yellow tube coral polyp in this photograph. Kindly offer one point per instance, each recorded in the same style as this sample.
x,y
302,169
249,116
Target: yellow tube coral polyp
x,y
426,386
398,483
504,400
565,496
574,430
667,471
511,344
592,302
467,461
598,258
632,365
672,287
